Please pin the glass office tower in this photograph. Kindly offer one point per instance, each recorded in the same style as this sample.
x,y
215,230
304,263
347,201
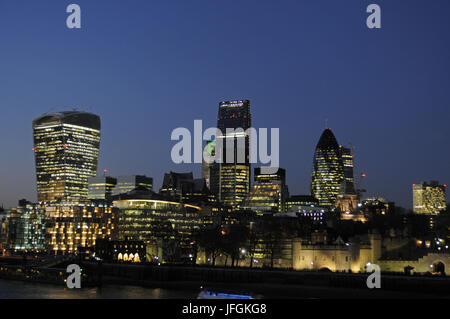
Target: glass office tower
x,y
234,175
328,172
66,147
347,162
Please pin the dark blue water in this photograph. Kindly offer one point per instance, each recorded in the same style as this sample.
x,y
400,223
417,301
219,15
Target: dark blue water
x,y
19,290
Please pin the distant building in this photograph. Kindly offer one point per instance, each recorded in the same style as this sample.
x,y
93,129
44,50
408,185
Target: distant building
x,y
101,187
317,214
347,157
197,193
26,226
126,184
429,198
234,178
210,150
347,203
175,184
301,200
376,206
66,148
328,172
348,199
269,192
214,179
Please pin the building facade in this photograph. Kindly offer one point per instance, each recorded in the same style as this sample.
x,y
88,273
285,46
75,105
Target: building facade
x,y
176,184
328,172
234,120
166,227
348,165
101,187
78,224
319,253
26,228
429,198
301,200
269,192
126,184
66,148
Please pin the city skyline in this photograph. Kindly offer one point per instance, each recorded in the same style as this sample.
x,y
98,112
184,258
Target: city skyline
x,y
197,167
398,134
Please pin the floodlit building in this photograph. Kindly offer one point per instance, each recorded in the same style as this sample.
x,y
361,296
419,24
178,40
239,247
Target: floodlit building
x,y
328,172
234,177
66,148
78,224
319,253
429,198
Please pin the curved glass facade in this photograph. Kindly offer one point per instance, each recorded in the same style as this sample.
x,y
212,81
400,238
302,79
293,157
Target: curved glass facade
x,y
66,147
148,220
328,172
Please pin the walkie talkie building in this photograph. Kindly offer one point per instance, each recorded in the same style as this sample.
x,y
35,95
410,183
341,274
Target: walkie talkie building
x,y
66,147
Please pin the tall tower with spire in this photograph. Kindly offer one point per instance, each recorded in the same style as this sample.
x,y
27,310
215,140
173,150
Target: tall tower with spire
x,y
328,171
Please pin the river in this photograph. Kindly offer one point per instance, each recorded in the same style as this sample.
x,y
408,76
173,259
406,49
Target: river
x,y
27,290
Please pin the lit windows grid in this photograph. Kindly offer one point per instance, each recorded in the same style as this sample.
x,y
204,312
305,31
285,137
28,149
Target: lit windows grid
x,y
66,155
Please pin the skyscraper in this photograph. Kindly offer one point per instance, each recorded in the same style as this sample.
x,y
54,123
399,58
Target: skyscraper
x,y
66,147
429,198
328,172
347,162
234,175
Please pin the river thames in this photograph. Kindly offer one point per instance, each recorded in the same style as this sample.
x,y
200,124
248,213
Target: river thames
x,y
26,290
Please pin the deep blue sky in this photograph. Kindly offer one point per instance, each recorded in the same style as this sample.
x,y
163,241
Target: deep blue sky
x,y
147,67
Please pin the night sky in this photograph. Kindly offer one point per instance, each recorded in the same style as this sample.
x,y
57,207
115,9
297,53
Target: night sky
x,y
147,67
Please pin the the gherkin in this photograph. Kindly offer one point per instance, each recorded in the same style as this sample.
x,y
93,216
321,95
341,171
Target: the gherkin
x,y
328,172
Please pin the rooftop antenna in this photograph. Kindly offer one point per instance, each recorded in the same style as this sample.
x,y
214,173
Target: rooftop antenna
x,y
326,122
105,171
